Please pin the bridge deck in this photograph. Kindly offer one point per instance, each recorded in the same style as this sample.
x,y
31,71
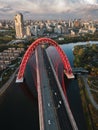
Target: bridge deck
x,y
48,111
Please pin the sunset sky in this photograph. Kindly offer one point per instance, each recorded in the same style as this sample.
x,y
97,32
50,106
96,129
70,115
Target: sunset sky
x,y
49,9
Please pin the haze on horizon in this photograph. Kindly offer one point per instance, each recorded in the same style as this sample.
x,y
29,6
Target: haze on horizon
x,y
49,9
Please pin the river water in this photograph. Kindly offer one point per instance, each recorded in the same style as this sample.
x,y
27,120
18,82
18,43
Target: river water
x,y
19,108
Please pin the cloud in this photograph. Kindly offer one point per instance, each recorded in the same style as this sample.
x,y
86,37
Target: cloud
x,y
6,9
49,8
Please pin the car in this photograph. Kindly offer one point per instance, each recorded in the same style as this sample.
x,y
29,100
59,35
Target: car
x,y
49,122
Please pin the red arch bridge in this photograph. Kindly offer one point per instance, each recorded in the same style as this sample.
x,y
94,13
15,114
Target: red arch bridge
x,y
31,49
49,121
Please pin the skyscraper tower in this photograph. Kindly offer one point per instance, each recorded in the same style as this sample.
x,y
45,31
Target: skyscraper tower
x,y
19,27
28,31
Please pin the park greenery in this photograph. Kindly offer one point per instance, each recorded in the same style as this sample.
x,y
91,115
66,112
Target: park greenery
x,y
86,56
7,36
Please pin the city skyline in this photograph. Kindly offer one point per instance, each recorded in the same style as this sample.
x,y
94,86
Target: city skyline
x,y
48,9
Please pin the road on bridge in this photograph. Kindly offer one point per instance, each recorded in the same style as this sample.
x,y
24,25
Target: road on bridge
x,y
47,115
59,107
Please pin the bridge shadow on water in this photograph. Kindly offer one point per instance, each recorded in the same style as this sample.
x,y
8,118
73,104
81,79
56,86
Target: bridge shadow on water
x,y
73,94
28,93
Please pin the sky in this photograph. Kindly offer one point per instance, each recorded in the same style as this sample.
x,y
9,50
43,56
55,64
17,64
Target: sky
x,y
49,9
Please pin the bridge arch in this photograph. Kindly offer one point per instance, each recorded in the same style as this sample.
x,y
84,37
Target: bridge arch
x,y
31,49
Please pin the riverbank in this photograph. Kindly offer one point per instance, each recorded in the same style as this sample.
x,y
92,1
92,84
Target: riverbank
x,y
7,84
75,39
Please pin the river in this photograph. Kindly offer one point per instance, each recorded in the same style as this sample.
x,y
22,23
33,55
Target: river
x,y
18,107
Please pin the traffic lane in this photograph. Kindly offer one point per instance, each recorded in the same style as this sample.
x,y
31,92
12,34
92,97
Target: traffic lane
x,y
59,105
50,118
60,108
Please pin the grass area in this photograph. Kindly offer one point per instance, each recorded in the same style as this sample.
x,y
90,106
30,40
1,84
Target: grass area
x,y
93,86
94,114
95,96
86,56
93,82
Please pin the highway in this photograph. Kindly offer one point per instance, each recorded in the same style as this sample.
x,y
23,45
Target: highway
x,y
57,98
47,115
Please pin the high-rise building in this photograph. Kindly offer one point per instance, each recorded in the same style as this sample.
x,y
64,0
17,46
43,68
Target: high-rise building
x,y
28,31
19,26
76,23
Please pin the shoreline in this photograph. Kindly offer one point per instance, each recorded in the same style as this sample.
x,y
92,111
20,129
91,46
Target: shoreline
x,y
7,84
